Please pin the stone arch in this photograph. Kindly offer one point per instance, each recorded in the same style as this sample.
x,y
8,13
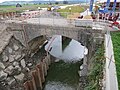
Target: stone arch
x,y
35,30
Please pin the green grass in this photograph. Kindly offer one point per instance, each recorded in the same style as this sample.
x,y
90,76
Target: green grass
x,y
4,9
12,8
96,70
74,9
116,47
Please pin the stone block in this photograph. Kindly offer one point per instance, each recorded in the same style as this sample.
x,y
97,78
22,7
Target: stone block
x,y
23,55
10,50
15,63
11,81
2,66
9,70
17,57
3,75
19,77
27,69
5,58
23,64
29,64
18,67
17,70
11,58
15,47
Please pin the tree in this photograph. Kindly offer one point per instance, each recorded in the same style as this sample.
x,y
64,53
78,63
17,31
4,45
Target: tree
x,y
65,2
56,2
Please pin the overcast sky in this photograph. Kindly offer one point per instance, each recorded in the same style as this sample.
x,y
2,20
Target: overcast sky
x,y
24,0
14,0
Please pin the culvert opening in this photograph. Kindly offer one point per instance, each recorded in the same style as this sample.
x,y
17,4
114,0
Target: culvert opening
x,y
63,72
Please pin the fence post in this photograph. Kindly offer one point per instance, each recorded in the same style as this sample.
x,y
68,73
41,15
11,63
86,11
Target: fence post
x,y
108,34
110,61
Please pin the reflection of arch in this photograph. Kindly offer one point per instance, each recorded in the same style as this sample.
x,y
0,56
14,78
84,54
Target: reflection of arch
x,y
39,40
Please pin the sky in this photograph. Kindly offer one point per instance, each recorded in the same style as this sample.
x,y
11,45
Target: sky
x,y
21,0
14,0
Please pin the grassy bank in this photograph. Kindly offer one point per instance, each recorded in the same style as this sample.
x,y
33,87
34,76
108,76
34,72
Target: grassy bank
x,y
116,47
96,70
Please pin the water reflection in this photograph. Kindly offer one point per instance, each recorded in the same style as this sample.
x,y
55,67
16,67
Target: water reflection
x,y
73,52
58,86
63,76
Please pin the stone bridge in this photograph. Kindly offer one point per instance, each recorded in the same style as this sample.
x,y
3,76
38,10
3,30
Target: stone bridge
x,y
35,30
87,36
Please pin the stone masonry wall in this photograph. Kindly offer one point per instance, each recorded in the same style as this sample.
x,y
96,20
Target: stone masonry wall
x,y
16,66
12,65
